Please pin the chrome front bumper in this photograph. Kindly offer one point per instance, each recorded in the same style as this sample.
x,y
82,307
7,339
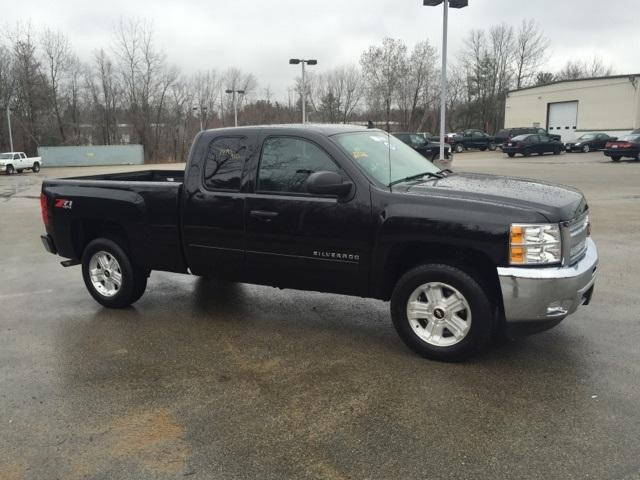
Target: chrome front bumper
x,y
545,296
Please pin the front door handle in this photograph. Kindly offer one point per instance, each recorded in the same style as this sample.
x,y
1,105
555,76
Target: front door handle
x,y
263,215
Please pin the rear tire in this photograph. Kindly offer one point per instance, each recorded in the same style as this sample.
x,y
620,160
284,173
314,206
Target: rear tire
x,y
35,168
526,153
422,315
615,158
9,170
458,148
556,151
492,147
511,155
586,149
109,275
483,149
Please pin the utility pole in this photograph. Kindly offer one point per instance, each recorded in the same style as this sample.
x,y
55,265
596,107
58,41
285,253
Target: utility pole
x,y
303,94
443,79
235,94
9,126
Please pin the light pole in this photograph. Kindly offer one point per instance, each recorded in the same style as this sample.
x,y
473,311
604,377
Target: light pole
x,y
9,126
202,112
235,103
296,61
443,85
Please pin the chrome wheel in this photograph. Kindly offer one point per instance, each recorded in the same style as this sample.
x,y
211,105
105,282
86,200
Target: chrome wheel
x,y
439,314
105,273
586,149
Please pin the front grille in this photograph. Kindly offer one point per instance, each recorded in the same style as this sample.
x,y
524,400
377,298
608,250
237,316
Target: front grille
x,y
578,231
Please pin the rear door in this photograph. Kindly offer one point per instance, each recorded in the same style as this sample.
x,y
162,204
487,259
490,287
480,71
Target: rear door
x,y
601,141
213,205
299,240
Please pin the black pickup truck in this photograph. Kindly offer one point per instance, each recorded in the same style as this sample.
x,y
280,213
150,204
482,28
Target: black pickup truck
x,y
339,209
471,139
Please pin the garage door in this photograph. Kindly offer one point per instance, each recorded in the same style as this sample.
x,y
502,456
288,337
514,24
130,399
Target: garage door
x,y
563,119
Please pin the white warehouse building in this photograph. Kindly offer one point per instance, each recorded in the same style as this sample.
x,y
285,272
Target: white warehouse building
x,y
571,108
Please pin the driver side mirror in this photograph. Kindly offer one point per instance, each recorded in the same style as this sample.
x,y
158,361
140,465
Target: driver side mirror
x,y
328,183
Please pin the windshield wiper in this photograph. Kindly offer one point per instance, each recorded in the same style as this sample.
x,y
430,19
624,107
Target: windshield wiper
x,y
416,177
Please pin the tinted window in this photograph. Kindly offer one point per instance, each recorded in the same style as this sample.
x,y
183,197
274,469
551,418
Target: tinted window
x,y
544,138
224,161
287,162
417,140
502,133
16,156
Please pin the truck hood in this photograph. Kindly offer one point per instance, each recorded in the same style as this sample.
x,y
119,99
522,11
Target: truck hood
x,y
557,203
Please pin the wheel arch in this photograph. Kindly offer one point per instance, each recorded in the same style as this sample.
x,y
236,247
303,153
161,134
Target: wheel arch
x,y
476,263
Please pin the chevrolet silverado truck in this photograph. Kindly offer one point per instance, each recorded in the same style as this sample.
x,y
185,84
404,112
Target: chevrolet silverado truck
x,y
342,209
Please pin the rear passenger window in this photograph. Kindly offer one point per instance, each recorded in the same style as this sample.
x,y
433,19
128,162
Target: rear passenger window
x,y
287,162
224,162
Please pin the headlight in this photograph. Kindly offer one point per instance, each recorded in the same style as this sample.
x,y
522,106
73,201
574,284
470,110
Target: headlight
x,y
535,244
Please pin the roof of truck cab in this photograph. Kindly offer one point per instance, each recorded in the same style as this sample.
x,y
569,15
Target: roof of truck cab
x,y
327,129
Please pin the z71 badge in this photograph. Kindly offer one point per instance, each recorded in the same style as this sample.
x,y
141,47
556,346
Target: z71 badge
x,y
62,203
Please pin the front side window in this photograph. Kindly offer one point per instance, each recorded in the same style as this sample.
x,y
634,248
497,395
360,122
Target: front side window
x,y
383,156
224,162
287,162
16,157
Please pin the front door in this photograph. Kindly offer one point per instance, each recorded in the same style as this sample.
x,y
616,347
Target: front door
x,y
304,241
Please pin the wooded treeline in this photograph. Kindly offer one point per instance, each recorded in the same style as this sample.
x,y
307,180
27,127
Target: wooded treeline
x,y
127,92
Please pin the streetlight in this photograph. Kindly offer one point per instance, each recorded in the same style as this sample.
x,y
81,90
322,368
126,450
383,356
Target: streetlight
x,y
443,87
296,61
9,125
202,113
235,103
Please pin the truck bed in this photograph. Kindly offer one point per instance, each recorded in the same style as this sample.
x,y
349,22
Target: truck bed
x,y
173,176
141,206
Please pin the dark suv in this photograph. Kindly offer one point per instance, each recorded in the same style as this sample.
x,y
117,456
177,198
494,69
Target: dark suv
x,y
423,144
507,134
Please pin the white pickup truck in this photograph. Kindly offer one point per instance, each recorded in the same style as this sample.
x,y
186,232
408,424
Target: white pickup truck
x,y
11,162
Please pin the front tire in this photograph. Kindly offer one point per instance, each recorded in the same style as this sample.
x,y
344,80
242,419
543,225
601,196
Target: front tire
x,y
492,147
615,158
109,275
526,153
35,168
459,148
9,170
511,155
441,312
586,149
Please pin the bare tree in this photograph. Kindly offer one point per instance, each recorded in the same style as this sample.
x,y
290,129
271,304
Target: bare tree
x,y
415,90
57,60
141,68
530,51
382,68
574,70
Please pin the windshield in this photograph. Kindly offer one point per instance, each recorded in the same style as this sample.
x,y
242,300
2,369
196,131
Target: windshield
x,y
631,138
6,156
383,156
588,136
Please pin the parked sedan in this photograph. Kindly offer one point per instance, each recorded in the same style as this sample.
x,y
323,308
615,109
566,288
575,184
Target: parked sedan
x,y
588,142
529,144
422,144
627,147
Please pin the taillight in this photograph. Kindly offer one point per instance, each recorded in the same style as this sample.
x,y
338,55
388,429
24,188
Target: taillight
x,y
608,145
625,145
44,209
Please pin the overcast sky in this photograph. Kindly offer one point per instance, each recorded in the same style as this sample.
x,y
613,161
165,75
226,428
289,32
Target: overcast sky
x,y
260,36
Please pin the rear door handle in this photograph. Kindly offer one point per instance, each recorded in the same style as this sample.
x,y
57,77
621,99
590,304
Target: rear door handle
x,y
263,215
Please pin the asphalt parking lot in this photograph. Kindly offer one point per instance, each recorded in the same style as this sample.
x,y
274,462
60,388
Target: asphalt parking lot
x,y
208,380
